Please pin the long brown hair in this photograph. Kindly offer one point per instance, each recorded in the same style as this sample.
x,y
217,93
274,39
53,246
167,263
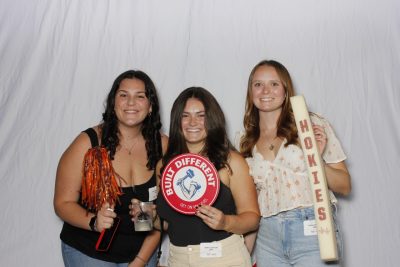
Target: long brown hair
x,y
151,125
217,144
286,124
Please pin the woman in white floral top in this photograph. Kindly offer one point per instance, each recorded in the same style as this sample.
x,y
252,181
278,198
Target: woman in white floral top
x,y
286,236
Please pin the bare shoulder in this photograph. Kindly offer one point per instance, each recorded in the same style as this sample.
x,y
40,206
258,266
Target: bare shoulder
x,y
78,147
158,171
237,162
163,135
164,142
236,158
69,168
159,165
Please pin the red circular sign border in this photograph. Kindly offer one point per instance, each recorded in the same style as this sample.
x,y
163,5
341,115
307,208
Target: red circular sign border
x,y
191,204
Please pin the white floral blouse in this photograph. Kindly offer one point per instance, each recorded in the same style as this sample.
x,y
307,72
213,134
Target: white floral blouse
x,y
283,184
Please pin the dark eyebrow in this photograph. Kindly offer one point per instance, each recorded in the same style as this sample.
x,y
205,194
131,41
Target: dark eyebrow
x,y
139,92
197,112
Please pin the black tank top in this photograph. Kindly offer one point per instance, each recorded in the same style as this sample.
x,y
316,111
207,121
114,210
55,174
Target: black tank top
x,y
126,243
186,230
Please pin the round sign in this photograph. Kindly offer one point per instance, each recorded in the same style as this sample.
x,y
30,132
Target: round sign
x,y
188,181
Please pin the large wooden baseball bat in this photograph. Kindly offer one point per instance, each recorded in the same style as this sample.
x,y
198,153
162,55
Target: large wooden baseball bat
x,y
319,186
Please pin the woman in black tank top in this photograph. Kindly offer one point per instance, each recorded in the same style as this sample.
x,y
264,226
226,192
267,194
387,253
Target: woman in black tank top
x,y
198,126
130,135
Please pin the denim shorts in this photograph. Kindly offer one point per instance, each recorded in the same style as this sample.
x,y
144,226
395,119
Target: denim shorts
x,y
74,258
281,241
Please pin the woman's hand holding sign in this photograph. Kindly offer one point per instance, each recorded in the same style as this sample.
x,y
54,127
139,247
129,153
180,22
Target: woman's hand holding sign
x,y
211,216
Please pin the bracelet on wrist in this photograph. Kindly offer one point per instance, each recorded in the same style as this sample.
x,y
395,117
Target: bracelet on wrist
x,y
141,259
92,223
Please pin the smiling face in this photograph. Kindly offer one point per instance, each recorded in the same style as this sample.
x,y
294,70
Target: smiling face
x,y
267,90
193,124
131,103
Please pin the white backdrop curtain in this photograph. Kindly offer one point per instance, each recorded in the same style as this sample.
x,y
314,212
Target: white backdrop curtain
x,y
58,60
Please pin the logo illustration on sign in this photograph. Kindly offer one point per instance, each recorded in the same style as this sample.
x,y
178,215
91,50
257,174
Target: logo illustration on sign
x,y
191,188
189,180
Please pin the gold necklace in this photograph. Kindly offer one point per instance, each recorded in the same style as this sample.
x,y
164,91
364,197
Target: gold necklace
x,y
130,149
271,145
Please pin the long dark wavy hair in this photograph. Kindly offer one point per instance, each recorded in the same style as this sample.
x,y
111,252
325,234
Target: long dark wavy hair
x,y
286,123
217,145
150,127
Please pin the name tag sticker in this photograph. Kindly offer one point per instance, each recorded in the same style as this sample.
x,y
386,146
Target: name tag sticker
x,y
310,227
153,193
210,250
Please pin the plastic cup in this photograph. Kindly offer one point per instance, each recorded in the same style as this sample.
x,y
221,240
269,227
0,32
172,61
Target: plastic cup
x,y
143,219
